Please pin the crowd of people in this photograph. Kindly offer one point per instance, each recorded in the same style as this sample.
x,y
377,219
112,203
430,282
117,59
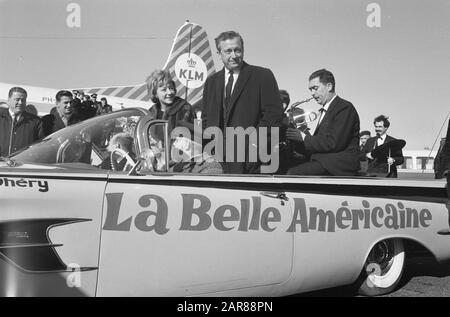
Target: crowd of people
x,y
20,127
86,106
238,96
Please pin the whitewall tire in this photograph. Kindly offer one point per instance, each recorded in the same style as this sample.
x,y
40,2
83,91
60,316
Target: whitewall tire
x,y
383,268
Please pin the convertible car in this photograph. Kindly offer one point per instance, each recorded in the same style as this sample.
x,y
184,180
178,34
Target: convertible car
x,y
84,213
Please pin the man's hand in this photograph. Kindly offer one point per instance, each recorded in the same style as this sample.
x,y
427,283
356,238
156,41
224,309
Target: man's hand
x,y
294,135
390,161
369,156
303,128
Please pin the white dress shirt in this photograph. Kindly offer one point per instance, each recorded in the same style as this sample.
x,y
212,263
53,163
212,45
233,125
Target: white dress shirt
x,y
327,105
12,114
381,139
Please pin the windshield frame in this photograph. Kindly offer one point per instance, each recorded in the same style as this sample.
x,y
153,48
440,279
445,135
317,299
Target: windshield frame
x,y
78,127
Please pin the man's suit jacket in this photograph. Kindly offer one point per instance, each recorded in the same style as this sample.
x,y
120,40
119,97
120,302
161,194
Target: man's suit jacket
x,y
26,131
446,152
335,143
379,166
53,122
255,102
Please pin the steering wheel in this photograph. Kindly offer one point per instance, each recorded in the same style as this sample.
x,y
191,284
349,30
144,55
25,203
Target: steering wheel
x,y
122,154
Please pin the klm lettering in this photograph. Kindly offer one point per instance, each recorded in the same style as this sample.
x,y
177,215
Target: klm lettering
x,y
190,74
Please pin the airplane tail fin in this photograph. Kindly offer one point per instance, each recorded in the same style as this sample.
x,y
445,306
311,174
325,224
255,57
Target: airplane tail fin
x,y
190,62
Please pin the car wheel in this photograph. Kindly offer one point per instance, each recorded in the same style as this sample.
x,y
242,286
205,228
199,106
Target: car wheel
x,y
383,268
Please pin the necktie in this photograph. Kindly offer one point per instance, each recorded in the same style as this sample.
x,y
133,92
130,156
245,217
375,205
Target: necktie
x,y
322,113
376,141
228,89
13,126
15,118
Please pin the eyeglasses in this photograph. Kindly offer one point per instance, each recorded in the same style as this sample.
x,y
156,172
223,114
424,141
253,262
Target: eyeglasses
x,y
236,51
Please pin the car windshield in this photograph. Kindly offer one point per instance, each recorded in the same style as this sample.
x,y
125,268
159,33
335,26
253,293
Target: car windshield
x,y
86,142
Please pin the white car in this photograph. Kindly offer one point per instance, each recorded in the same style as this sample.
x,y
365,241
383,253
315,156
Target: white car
x,y
73,225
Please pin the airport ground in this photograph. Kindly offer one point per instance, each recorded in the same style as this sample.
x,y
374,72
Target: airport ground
x,y
423,277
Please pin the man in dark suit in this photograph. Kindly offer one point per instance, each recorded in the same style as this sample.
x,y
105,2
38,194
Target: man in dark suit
x,y
446,162
334,146
446,155
240,95
363,137
62,115
18,128
384,166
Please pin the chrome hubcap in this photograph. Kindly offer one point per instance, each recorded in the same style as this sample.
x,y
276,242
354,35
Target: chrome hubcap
x,y
382,255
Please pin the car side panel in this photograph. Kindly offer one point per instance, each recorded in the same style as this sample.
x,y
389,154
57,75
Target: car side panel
x,y
152,247
73,203
331,250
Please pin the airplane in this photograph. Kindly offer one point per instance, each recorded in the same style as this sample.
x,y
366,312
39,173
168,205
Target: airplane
x,y
190,62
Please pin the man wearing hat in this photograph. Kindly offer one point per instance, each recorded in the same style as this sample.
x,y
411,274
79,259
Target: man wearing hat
x,y
385,164
363,137
97,104
87,109
76,102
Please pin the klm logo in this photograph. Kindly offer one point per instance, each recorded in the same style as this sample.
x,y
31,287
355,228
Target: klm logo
x,y
191,70
189,74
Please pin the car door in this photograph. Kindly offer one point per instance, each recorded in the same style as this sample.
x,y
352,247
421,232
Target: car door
x,y
191,234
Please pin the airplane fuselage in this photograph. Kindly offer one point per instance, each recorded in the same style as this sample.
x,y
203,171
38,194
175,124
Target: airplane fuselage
x,y
44,99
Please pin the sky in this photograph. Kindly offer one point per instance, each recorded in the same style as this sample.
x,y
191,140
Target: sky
x,y
399,67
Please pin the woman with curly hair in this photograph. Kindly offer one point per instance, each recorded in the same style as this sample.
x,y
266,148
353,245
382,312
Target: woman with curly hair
x,y
177,111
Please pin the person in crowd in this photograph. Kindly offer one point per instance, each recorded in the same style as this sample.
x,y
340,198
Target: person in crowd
x,y
88,109
385,166
62,115
18,128
363,137
285,98
440,162
97,105
288,156
240,96
106,108
445,164
76,104
334,145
